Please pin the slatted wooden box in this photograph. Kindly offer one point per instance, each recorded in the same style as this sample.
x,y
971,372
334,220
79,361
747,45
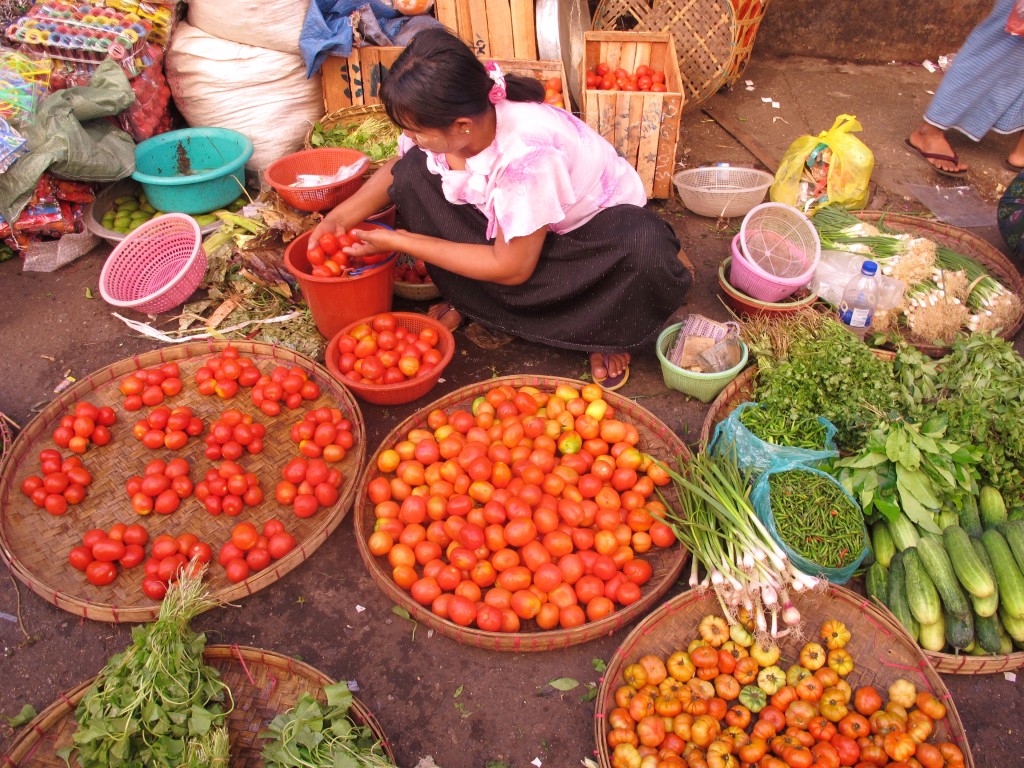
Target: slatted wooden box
x,y
643,126
355,80
497,29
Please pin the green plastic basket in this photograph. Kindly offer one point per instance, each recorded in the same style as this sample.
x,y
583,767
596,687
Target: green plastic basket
x,y
703,386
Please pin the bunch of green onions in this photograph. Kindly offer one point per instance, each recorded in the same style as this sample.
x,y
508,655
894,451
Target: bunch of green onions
x,y
744,566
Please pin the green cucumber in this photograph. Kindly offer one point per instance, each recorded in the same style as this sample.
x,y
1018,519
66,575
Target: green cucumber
x,y
882,544
932,637
1013,532
987,631
1014,627
897,601
1008,575
991,507
968,567
876,582
922,596
939,568
959,631
904,532
985,606
970,520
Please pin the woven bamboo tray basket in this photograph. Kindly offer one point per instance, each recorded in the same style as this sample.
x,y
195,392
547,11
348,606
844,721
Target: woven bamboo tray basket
x,y
704,31
348,116
263,685
881,649
35,545
964,242
414,291
656,439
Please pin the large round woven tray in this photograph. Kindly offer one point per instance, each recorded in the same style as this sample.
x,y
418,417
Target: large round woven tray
x,y
881,649
963,242
35,545
656,439
704,31
263,685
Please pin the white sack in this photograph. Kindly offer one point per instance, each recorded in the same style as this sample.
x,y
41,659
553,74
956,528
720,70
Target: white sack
x,y
273,24
261,93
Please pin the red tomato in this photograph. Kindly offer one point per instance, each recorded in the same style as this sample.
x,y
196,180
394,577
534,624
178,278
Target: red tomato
x,y
164,546
328,243
55,504
237,570
135,534
257,559
280,544
305,505
154,588
80,557
201,551
100,573
244,535
108,550
229,552
133,555
273,526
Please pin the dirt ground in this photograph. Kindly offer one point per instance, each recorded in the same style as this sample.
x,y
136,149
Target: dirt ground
x,y
463,706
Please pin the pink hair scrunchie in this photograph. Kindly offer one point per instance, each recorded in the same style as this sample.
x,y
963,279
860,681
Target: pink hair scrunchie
x,y
497,92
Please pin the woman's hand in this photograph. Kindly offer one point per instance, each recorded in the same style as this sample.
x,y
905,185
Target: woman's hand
x,y
336,222
374,240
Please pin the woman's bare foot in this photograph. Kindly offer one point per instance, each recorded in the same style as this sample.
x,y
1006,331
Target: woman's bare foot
x,y
446,314
1016,158
608,366
932,144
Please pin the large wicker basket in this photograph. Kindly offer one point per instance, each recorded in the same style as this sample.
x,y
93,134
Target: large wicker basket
x,y
656,439
263,685
882,651
963,242
35,545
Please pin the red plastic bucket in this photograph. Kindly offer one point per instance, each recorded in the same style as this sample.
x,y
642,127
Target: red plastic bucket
x,y
336,302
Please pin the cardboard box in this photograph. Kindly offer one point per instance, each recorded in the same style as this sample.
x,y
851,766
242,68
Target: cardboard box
x,y
642,125
355,80
495,29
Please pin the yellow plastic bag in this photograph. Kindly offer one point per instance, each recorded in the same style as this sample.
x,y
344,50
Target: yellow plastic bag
x,y
832,167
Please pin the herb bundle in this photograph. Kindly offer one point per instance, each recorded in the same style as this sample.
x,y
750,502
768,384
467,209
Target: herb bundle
x,y
154,702
310,735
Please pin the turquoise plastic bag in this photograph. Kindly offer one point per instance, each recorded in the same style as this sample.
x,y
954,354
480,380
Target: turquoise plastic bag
x,y
760,499
755,456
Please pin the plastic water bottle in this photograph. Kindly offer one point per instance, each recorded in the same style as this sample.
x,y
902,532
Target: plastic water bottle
x,y
860,298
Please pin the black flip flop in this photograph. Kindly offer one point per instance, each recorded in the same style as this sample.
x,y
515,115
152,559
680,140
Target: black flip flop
x,y
929,156
1011,167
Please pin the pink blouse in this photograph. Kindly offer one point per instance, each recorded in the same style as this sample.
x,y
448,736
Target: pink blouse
x,y
545,167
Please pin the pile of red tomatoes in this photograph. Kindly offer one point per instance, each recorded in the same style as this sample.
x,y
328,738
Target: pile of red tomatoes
x,y
527,506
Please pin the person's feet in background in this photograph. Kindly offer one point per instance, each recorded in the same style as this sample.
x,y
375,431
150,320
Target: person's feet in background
x,y
931,144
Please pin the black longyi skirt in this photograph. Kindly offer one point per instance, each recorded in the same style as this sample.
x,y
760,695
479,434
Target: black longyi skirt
x,y
607,286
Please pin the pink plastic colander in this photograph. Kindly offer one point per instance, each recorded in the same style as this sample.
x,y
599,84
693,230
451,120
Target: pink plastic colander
x,y
157,267
775,253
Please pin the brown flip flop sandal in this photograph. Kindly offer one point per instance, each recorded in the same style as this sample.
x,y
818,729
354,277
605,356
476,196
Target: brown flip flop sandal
x,y
929,156
487,338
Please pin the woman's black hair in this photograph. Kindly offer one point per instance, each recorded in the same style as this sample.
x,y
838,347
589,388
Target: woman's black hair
x,y
437,80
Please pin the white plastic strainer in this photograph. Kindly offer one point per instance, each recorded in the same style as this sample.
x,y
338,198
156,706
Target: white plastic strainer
x,y
780,241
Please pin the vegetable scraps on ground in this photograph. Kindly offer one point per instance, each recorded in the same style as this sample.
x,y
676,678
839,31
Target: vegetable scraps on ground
x,y
157,703
748,571
312,735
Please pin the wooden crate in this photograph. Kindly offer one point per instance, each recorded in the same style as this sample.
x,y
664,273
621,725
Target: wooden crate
x,y
355,80
497,29
643,126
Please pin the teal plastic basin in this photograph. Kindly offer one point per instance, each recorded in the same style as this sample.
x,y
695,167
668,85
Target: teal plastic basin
x,y
194,170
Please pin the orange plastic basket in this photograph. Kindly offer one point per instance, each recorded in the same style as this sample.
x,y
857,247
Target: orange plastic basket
x,y
405,391
323,161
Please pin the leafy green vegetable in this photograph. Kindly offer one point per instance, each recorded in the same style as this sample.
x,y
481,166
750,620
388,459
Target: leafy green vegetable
x,y
311,735
376,137
26,715
155,699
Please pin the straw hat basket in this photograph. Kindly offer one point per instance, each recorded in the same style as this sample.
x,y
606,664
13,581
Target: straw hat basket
x,y
704,32
263,685
881,649
656,439
29,537
348,116
741,390
962,241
